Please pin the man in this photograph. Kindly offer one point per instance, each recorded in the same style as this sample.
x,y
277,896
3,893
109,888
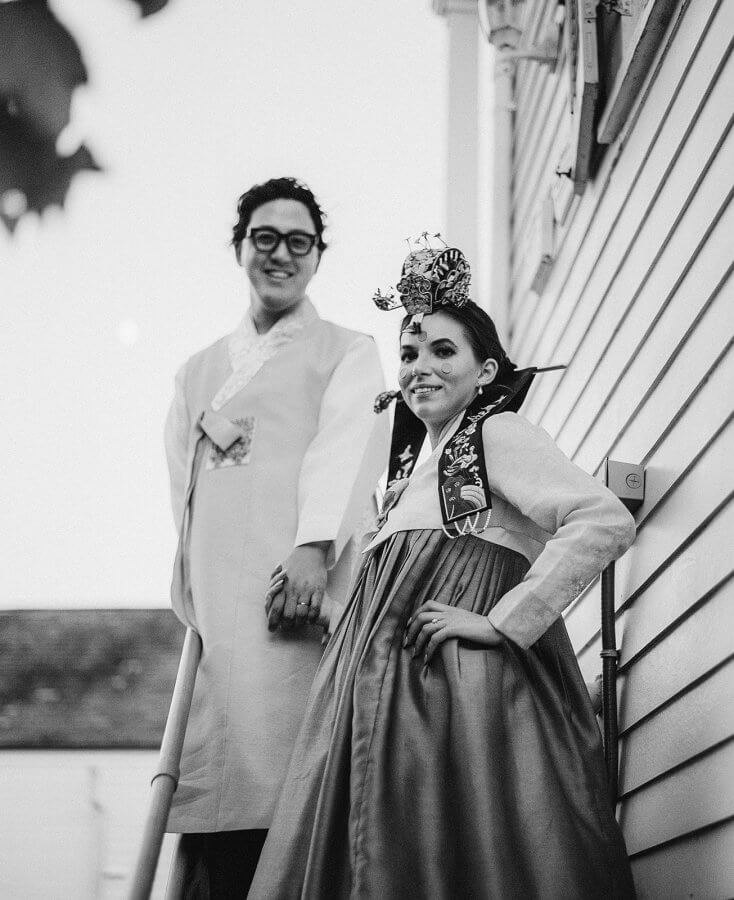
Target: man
x,y
274,452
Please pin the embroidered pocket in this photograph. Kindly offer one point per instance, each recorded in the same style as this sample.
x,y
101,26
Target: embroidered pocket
x,y
238,453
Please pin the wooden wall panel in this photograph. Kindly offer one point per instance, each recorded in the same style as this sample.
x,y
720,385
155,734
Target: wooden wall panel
x,y
693,797
534,173
698,645
649,302
606,196
674,454
669,210
698,498
700,868
700,718
640,305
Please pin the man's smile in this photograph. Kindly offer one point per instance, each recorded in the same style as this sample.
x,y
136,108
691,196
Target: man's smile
x,y
278,274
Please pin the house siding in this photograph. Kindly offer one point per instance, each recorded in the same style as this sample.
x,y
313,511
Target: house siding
x,y
640,306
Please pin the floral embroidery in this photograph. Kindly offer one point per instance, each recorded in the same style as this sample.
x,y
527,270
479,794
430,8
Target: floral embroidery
x,y
462,479
238,453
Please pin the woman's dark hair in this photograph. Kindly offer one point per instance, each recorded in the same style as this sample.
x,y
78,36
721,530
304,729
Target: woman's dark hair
x,y
277,189
481,333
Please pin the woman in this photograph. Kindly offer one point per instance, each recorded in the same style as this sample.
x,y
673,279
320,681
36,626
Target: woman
x,y
449,748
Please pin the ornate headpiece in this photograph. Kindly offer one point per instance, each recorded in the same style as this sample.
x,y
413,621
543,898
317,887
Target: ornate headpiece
x,y
430,278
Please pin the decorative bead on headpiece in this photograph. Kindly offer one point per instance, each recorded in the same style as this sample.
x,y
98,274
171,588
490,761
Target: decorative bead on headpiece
x,y
431,277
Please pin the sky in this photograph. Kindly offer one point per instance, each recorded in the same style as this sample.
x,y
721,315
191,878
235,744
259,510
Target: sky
x,y
103,301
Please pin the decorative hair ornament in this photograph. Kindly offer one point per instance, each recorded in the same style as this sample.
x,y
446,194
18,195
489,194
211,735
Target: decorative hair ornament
x,y
383,400
431,277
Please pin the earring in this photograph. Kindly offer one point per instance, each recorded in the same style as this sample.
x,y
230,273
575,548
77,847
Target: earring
x,y
480,390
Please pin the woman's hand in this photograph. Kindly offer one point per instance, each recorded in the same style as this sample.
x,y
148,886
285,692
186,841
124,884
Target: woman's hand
x,y
435,623
297,586
277,581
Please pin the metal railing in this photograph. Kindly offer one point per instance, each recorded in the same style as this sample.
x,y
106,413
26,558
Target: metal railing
x,y
165,780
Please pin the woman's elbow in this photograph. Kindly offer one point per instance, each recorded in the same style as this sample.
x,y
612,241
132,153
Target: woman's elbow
x,y
619,525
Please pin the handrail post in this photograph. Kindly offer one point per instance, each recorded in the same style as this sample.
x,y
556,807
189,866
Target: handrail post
x,y
165,780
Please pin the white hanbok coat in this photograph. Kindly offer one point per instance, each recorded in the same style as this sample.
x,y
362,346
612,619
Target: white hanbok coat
x,y
272,443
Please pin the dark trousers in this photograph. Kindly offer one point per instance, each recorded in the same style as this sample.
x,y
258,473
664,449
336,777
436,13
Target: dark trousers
x,y
221,865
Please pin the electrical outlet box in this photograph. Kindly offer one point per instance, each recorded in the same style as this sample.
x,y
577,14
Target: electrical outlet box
x,y
626,480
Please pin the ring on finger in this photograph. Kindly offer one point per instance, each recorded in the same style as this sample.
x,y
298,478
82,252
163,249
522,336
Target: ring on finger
x,y
302,603
433,621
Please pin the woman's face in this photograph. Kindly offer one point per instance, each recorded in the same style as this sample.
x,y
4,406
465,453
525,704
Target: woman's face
x,y
439,373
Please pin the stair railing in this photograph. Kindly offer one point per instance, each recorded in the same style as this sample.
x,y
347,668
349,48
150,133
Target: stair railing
x,y
165,780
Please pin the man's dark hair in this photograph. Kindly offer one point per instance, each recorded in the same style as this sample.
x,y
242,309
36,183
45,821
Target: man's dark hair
x,y
277,189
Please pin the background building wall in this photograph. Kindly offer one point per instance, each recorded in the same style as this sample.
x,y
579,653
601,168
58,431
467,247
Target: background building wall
x,y
72,823
639,304
84,696
461,202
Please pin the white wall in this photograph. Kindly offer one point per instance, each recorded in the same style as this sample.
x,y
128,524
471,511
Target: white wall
x,y
71,823
640,305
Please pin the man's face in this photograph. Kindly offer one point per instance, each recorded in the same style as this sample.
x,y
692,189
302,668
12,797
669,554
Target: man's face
x,y
278,280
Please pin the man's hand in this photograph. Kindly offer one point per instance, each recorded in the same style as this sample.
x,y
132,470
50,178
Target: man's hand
x,y
297,587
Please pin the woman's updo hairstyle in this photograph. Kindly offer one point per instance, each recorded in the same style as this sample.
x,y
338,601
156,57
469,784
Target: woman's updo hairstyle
x,y
277,189
481,333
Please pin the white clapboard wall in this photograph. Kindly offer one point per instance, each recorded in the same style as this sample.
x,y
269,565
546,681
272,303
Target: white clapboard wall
x,y
640,305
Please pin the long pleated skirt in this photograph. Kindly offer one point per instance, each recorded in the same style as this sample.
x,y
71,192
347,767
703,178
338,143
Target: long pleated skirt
x,y
479,776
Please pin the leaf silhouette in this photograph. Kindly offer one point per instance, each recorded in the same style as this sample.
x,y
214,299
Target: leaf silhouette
x,y
31,165
40,66
148,7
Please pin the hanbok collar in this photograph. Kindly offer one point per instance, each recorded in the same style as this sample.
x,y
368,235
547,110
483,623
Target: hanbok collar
x,y
249,351
463,488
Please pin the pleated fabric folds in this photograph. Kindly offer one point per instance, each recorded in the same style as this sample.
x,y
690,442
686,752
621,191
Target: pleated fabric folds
x,y
479,776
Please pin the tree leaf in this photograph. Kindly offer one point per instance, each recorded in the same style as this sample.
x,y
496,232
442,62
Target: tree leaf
x,y
40,66
31,165
148,7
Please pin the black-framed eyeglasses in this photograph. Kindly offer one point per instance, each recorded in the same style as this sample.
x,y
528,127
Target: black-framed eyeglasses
x,y
267,240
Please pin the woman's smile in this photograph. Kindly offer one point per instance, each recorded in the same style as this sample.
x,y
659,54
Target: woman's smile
x,y
425,390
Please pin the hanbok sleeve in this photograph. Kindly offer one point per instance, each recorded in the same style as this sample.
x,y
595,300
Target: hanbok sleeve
x,y
348,454
176,434
589,526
